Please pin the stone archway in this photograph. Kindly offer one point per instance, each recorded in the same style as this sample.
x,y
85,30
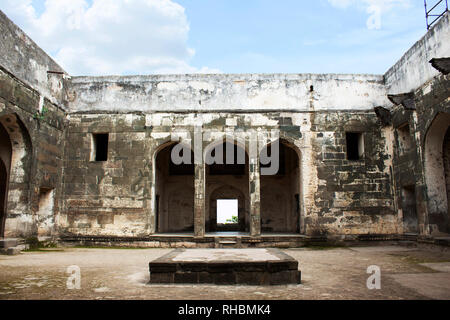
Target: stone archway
x,y
17,214
227,180
281,194
446,155
5,164
436,153
3,195
174,192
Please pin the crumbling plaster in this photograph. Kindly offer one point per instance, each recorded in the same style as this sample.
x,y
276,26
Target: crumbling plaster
x,y
141,114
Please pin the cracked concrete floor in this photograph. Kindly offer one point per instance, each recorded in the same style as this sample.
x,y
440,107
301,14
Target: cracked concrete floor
x,y
338,273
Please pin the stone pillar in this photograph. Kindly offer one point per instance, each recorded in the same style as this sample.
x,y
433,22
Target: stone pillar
x,y
255,194
199,201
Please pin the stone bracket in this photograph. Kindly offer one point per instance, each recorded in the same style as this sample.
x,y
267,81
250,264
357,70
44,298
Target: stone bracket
x,y
404,99
384,115
441,64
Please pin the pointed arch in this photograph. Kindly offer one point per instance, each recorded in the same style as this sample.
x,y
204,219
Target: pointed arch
x,y
17,166
281,193
173,192
5,163
435,174
231,180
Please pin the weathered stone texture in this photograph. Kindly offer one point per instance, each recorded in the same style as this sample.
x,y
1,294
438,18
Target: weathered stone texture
x,y
20,56
422,166
226,93
225,267
348,197
57,186
37,153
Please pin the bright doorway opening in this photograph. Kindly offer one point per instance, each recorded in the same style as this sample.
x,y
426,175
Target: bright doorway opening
x,y
227,211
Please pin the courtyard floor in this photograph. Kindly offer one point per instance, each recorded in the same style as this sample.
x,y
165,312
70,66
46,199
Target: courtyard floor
x,y
327,273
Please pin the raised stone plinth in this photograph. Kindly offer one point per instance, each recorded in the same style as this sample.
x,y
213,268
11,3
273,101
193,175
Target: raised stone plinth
x,y
225,267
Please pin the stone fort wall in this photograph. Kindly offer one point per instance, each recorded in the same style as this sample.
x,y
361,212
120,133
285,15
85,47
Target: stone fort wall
x,y
130,194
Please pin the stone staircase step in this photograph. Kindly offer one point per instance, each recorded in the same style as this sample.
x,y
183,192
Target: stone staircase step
x,y
8,243
227,242
232,242
12,247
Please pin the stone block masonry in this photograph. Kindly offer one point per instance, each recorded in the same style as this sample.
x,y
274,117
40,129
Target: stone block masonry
x,y
225,267
91,157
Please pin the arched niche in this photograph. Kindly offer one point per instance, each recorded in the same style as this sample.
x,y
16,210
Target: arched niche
x,y
16,157
281,192
173,200
228,180
435,173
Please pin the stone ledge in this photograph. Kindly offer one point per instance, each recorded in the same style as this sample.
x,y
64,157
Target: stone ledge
x,y
297,241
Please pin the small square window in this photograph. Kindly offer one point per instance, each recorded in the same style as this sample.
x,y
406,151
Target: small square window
x,y
355,146
99,147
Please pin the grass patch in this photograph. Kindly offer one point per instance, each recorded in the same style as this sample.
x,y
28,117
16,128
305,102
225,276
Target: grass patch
x,y
322,246
418,260
44,250
110,247
36,246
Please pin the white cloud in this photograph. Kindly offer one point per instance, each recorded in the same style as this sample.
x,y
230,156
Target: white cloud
x,y
341,3
374,9
384,5
109,36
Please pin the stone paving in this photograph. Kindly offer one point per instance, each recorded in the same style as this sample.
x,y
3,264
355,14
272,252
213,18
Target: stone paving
x,y
333,273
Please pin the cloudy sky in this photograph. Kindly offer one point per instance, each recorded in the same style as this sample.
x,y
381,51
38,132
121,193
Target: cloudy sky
x,y
122,37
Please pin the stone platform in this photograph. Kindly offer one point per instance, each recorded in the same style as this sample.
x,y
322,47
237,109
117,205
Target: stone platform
x,y
225,267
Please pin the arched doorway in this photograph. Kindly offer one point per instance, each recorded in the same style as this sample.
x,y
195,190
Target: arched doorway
x,y
174,201
446,154
280,192
227,178
437,173
3,196
16,150
5,163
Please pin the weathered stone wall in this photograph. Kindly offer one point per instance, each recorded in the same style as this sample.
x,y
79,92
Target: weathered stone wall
x,y
57,188
111,197
31,110
352,197
422,166
414,69
433,106
337,196
299,92
20,56
37,153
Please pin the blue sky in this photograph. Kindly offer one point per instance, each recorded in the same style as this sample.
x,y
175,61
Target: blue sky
x,y
96,37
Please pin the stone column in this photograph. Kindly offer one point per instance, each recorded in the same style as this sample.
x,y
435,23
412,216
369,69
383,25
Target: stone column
x,y
255,194
199,201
